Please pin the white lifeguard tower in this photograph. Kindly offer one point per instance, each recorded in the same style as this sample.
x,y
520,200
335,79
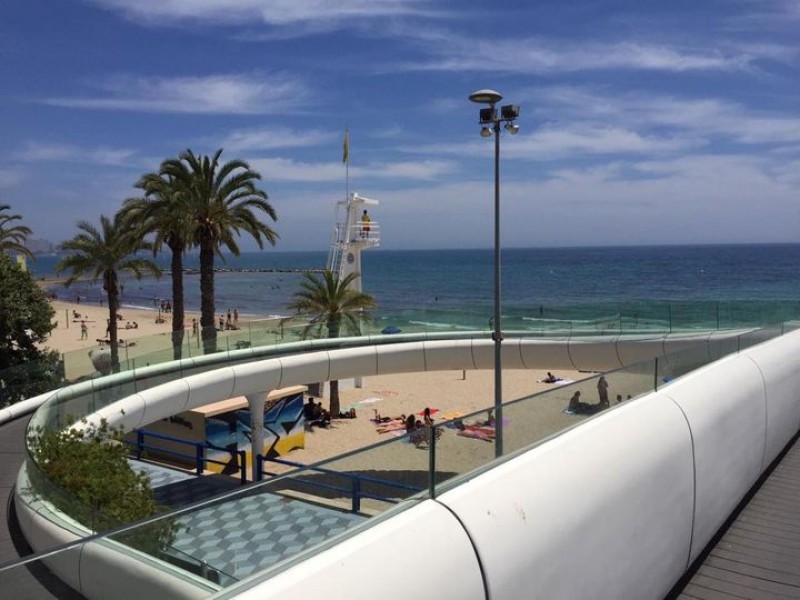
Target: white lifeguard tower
x,y
352,234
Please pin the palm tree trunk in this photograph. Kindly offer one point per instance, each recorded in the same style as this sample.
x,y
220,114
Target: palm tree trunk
x,y
110,286
207,306
334,408
177,302
333,332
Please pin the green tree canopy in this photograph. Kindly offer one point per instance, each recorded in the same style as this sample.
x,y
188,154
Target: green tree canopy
x,y
25,323
164,212
102,254
329,302
222,202
12,237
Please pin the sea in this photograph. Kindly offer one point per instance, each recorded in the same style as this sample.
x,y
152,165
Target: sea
x,y
544,290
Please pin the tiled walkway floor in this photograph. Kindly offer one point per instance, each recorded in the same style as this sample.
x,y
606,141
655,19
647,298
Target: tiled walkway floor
x,y
249,534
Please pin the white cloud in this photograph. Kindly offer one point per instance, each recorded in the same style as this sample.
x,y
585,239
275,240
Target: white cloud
x,y
453,52
276,138
280,169
56,152
213,94
553,142
9,178
270,12
695,120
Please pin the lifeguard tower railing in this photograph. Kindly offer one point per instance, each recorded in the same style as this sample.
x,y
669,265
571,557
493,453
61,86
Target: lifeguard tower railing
x,y
344,236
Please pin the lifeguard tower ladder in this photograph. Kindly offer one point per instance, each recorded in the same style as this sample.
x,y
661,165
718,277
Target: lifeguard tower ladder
x,y
350,236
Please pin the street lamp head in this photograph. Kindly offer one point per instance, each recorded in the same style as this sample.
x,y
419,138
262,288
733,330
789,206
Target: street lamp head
x,y
509,112
485,97
512,128
486,132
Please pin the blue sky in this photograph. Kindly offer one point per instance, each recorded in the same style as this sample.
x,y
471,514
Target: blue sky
x,y
641,122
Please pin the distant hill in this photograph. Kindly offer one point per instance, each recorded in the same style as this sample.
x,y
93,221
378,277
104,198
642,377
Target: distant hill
x,y
40,246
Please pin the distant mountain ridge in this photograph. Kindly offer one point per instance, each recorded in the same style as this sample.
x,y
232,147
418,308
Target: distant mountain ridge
x,y
40,246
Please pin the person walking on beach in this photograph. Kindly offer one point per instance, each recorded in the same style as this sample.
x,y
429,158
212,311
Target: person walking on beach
x,y
602,391
365,221
194,327
84,331
236,317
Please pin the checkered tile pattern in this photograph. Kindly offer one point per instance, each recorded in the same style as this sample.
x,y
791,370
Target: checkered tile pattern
x,y
243,536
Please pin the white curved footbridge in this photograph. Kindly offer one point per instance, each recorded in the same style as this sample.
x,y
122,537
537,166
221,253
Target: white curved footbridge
x,y
618,507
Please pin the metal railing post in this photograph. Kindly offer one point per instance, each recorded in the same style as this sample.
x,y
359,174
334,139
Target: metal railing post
x,y
432,461
655,376
243,465
198,450
356,493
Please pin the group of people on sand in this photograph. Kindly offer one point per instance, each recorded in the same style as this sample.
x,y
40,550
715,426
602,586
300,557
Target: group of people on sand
x,y
315,414
577,407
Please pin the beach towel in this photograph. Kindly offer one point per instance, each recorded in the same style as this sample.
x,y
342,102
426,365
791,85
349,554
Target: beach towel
x,y
558,381
486,434
449,416
370,400
433,412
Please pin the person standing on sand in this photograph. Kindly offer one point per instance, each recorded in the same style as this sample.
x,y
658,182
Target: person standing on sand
x,y
236,316
602,390
84,331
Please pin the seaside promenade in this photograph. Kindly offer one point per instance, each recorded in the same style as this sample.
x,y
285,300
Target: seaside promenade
x,y
384,389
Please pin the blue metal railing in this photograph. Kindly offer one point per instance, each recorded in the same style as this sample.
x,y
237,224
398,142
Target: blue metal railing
x,y
355,489
199,457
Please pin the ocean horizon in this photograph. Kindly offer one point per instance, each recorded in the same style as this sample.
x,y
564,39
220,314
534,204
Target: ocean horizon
x,y
720,285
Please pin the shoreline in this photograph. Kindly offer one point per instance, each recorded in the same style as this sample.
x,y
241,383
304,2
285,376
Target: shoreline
x,y
448,393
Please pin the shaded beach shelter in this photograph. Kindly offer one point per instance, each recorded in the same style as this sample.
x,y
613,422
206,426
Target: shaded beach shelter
x,y
391,329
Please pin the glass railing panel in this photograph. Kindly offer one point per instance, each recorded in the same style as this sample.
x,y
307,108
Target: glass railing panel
x,y
753,338
373,479
675,365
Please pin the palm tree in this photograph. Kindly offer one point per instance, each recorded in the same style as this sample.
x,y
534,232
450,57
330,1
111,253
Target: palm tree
x,y
103,253
222,201
328,302
13,237
163,212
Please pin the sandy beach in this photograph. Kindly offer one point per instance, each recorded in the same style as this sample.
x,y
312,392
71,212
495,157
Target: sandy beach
x,y
139,344
449,393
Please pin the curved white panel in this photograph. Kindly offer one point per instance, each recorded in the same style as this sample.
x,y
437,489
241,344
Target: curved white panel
x,y
545,354
207,387
457,355
634,350
300,368
354,361
594,355
725,406
255,376
401,358
779,367
419,553
123,574
603,511
126,413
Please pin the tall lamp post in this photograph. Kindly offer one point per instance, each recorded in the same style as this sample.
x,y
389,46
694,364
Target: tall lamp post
x,y
490,122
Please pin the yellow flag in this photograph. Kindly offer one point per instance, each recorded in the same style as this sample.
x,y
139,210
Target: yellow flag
x,y
346,147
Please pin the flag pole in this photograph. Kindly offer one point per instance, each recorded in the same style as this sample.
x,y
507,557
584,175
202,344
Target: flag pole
x,y
346,160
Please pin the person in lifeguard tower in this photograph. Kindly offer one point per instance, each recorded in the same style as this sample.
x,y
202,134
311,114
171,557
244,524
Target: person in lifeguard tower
x,y
364,224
